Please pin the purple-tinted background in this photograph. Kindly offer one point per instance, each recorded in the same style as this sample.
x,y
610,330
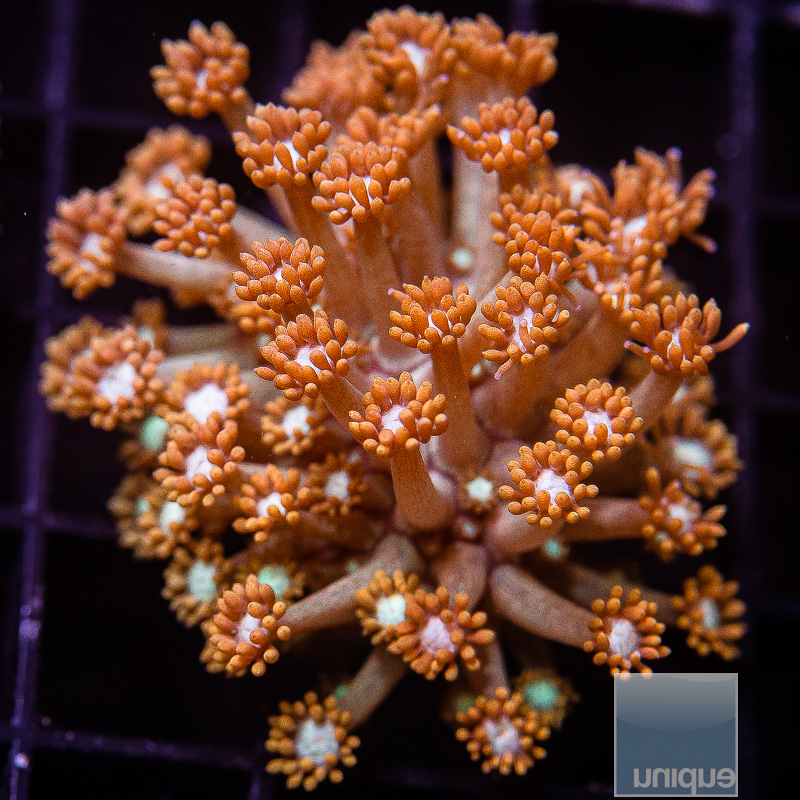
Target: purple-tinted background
x,y
101,693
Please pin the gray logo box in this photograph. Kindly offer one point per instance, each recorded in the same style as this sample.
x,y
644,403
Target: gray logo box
x,y
676,735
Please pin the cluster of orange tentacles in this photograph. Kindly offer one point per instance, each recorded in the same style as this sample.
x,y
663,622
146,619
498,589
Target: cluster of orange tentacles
x,y
431,395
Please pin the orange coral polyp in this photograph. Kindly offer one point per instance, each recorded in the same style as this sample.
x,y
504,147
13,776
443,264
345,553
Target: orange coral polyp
x,y
398,416
677,335
507,136
281,274
548,485
205,74
282,145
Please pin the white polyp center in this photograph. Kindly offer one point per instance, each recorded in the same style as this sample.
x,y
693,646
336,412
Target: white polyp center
x,y
462,259
505,136
435,636
502,735
117,382
153,433
262,340
416,55
391,610
293,154
277,577
303,357
683,513
296,419
552,483
623,637
205,400
146,334
272,499
391,419
141,506
91,250
155,187
316,741
595,418
633,227
577,189
200,581
201,80
693,455
683,390
197,463
171,512
337,485
246,627
710,611
480,489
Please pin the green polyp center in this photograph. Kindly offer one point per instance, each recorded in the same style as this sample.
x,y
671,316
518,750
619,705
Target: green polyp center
x,y
200,581
554,549
153,433
463,703
277,577
141,506
340,691
541,694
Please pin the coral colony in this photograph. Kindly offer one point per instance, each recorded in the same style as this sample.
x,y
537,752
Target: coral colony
x,y
429,382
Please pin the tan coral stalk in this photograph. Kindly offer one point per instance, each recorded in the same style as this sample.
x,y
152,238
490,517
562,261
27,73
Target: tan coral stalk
x,y
609,518
526,602
433,318
462,568
358,183
397,418
371,685
335,604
